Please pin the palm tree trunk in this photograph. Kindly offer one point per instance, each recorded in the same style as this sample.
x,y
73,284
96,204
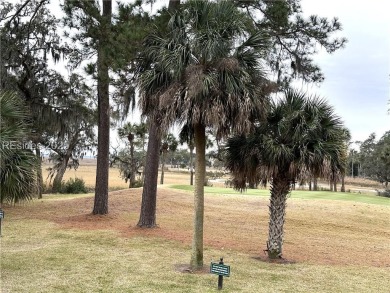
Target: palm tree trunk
x,y
162,167
147,217
200,174
315,184
101,186
342,183
277,210
191,165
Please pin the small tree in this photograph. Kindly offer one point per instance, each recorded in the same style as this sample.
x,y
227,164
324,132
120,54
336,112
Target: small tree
x,y
169,144
300,136
131,159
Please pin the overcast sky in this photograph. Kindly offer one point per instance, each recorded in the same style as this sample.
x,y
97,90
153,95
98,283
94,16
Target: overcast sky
x,y
357,77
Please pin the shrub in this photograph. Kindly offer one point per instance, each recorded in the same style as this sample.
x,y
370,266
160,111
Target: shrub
x,y
75,186
385,193
207,182
138,183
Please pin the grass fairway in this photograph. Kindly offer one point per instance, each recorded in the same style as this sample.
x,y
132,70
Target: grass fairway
x,y
56,245
300,194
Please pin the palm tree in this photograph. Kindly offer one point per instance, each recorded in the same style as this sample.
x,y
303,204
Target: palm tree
x,y
169,144
300,136
17,163
206,74
186,136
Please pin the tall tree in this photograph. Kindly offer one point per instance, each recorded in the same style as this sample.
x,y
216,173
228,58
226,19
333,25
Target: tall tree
x,y
116,45
213,79
103,83
147,218
301,135
29,41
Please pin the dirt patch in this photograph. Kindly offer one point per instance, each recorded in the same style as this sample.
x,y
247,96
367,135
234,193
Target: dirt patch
x,y
320,232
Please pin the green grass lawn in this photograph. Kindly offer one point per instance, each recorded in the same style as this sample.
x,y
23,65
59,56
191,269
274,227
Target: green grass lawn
x,y
299,194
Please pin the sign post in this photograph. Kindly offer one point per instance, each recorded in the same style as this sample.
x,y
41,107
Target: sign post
x,y
1,218
221,270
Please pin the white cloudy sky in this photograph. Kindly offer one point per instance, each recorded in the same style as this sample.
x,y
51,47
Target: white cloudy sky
x,y
357,77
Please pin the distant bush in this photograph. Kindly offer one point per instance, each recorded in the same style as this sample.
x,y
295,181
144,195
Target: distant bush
x,y
207,182
385,193
75,186
215,174
138,183
324,188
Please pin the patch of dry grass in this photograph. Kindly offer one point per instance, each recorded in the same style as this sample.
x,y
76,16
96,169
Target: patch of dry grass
x,y
87,171
58,246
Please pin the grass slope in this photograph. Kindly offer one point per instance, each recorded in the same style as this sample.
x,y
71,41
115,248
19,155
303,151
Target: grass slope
x,y
299,194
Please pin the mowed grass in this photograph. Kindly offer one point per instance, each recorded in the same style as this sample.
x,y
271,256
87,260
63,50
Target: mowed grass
x,y
334,243
299,194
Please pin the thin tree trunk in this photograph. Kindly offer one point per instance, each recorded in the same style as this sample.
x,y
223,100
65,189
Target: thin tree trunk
x,y
200,174
101,186
310,187
277,210
39,173
342,183
191,165
149,193
133,166
330,185
335,185
162,167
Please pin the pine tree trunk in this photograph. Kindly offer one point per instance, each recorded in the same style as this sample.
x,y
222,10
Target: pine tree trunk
x,y
191,165
101,186
200,174
277,210
147,217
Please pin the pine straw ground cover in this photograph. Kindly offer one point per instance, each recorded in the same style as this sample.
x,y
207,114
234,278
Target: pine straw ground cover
x,y
56,245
